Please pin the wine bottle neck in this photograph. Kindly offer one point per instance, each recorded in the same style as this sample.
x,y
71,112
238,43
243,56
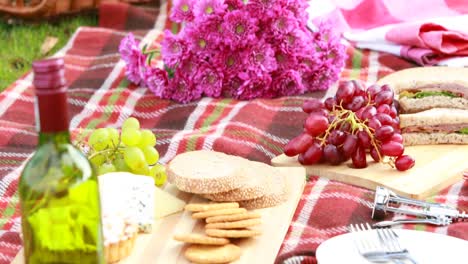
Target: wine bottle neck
x,y
51,96
52,112
55,138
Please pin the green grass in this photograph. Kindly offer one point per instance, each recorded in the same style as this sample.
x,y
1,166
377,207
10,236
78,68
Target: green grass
x,y
20,44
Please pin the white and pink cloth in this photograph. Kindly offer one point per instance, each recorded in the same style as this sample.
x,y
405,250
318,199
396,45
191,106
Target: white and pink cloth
x,y
428,32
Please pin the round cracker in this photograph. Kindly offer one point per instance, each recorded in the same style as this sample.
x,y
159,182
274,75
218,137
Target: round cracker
x,y
201,239
232,233
212,254
207,207
233,218
229,211
234,225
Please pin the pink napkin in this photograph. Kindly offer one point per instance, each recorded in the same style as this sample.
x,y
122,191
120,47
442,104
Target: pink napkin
x,y
427,32
430,36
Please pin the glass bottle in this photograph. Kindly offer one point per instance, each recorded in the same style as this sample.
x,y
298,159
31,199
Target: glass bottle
x,y
58,189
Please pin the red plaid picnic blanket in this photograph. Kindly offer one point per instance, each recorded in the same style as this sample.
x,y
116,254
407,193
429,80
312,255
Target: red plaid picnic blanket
x,y
100,96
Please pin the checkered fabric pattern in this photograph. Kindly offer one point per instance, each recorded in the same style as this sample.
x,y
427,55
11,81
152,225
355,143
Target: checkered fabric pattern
x,y
100,96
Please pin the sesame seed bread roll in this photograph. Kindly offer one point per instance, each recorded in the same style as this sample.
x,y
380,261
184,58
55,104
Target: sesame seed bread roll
x,y
256,175
275,194
205,172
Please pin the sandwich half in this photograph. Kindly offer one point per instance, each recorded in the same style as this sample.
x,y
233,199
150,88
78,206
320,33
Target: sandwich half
x,y
424,88
435,126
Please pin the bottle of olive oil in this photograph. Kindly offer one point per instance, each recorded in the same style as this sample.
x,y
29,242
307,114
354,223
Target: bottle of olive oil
x,y
59,195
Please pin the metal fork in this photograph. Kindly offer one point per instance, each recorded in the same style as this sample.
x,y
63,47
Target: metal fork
x,y
390,241
376,250
369,248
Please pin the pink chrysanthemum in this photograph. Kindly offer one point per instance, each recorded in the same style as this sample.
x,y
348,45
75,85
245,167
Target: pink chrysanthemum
x,y
239,28
157,81
284,24
174,49
231,84
327,61
241,49
200,40
182,11
285,61
213,25
204,8
263,5
127,46
264,10
298,8
134,59
183,89
263,55
234,4
209,80
295,43
255,85
188,66
135,68
288,83
232,61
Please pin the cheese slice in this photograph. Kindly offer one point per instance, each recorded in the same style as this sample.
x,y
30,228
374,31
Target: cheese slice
x,y
166,204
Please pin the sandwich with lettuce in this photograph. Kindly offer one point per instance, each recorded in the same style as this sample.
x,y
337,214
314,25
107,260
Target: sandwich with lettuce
x,y
433,104
424,88
435,126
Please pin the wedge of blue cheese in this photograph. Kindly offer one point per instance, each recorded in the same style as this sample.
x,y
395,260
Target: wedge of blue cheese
x,y
129,195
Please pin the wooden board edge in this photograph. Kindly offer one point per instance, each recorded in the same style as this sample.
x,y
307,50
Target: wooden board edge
x,y
458,176
278,161
297,198
19,259
295,194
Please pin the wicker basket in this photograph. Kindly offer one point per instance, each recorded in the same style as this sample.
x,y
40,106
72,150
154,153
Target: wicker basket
x,y
46,8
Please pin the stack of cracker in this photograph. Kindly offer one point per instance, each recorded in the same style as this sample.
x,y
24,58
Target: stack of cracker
x,y
226,178
224,221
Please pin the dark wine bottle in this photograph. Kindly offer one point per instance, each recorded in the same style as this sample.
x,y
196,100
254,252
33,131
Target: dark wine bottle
x,y
58,189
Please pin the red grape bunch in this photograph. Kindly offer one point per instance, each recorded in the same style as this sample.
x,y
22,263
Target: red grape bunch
x,y
354,122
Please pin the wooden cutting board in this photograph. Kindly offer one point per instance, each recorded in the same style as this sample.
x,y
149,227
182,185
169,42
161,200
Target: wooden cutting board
x,y
437,167
159,247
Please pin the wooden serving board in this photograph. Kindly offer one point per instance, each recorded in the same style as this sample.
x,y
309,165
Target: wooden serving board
x,y
159,247
437,167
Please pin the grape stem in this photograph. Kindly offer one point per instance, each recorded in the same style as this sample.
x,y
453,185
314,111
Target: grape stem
x,y
343,116
110,151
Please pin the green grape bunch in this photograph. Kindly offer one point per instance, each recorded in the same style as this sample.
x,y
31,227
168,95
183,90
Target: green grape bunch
x,y
132,150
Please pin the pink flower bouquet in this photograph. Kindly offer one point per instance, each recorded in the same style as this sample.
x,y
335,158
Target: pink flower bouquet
x,y
240,49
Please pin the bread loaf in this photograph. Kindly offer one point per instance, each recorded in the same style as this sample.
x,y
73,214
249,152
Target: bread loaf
x,y
226,178
256,177
205,172
276,192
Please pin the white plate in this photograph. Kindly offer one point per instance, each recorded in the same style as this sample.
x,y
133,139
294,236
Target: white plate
x,y
425,248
